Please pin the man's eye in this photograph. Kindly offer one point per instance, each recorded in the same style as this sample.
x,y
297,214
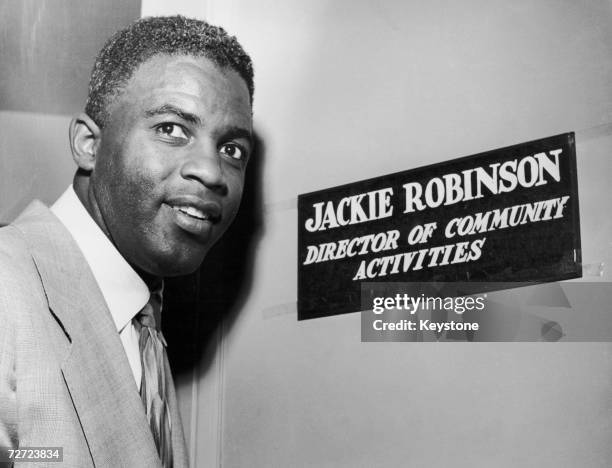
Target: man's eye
x,y
173,131
233,151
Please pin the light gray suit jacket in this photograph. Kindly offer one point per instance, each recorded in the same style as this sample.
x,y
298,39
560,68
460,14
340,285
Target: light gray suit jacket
x,y
64,377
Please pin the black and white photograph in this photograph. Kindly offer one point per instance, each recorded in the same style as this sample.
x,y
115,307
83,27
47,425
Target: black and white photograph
x,y
325,233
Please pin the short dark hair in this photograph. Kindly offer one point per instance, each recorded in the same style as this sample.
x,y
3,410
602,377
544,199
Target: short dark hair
x,y
127,49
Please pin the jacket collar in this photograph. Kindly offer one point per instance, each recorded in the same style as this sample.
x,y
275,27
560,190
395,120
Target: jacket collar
x,y
125,293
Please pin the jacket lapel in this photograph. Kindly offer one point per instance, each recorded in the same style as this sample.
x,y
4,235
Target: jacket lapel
x,y
179,448
95,369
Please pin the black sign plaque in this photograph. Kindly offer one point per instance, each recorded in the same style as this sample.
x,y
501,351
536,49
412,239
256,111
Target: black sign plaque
x,y
507,215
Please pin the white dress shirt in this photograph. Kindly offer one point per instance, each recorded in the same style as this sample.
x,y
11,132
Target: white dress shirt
x,y
124,291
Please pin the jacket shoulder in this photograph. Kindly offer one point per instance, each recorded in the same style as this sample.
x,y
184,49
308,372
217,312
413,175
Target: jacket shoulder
x,y
15,296
16,247
19,279
15,257
12,245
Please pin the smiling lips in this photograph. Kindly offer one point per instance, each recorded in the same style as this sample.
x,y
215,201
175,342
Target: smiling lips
x,y
192,211
194,215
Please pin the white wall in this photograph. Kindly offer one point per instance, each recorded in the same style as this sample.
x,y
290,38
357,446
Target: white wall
x,y
347,90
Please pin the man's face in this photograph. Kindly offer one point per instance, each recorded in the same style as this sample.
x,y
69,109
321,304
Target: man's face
x,y
170,166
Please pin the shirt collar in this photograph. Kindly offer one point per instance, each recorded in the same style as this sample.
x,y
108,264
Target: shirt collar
x,y
124,291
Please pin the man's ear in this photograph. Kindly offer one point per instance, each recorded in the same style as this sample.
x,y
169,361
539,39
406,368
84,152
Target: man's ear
x,y
84,136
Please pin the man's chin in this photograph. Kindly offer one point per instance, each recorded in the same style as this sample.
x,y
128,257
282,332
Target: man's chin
x,y
180,267
182,271
174,265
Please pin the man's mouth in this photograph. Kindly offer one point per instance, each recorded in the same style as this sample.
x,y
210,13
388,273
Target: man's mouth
x,y
193,212
194,215
196,207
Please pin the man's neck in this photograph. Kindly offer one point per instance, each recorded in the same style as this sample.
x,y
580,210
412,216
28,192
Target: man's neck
x,y
81,188
153,282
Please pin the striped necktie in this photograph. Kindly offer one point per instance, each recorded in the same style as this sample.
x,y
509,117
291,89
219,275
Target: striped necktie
x,y
153,387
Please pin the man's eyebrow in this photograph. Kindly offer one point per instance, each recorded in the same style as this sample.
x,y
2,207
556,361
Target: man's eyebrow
x,y
238,132
170,109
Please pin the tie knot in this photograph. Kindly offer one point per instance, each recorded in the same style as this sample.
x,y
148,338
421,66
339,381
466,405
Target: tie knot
x,y
150,314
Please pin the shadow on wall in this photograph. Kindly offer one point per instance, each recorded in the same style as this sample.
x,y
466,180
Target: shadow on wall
x,y
197,304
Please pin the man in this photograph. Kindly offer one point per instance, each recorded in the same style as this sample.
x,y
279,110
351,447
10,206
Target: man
x,y
161,151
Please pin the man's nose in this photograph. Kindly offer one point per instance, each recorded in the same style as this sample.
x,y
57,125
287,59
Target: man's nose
x,y
203,164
